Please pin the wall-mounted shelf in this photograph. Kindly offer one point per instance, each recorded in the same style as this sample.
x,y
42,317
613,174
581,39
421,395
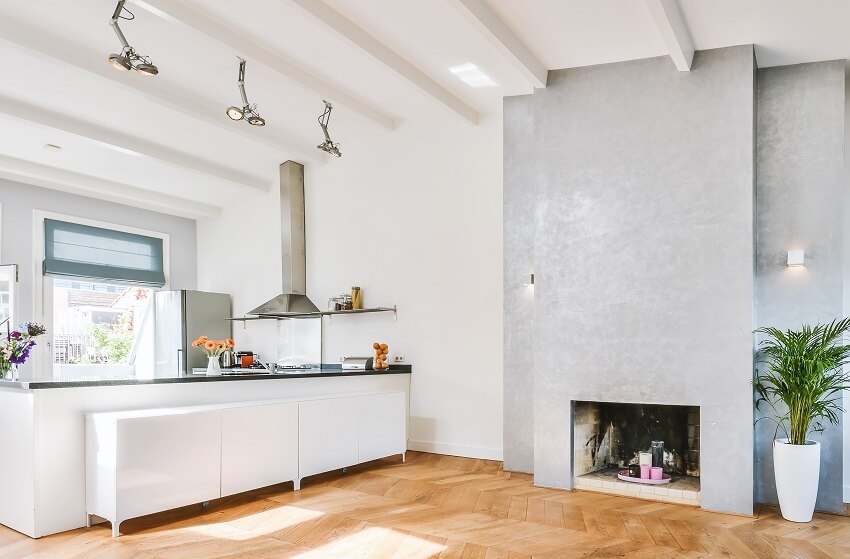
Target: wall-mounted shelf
x,y
286,316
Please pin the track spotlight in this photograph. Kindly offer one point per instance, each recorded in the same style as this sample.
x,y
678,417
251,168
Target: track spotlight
x,y
235,113
128,59
248,112
147,69
120,61
328,145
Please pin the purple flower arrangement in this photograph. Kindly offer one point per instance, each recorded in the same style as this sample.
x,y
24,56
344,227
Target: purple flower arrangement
x,y
15,349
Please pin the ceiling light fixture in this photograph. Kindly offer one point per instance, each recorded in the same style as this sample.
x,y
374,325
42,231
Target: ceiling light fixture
x,y
328,145
128,59
471,75
247,112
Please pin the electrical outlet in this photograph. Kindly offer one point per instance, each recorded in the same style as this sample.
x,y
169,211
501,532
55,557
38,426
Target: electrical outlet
x,y
398,359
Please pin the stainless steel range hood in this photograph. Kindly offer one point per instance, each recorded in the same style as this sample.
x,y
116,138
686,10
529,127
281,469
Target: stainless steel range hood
x,y
293,299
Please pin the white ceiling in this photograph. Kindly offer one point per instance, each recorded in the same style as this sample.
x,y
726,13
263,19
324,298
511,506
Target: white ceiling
x,y
54,55
571,33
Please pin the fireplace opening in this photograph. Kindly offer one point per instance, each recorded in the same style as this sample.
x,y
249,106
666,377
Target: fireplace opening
x,y
609,437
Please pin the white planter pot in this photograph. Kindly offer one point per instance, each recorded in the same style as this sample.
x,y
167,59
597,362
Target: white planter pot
x,y
797,469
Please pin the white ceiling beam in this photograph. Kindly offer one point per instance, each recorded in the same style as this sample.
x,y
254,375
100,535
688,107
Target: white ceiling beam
x,y
37,174
123,142
491,26
246,47
350,31
670,22
52,48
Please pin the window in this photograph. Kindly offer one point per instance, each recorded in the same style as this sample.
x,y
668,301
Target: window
x,y
8,279
99,288
97,324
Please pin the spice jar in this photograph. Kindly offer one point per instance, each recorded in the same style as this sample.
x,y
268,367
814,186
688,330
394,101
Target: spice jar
x,y
356,298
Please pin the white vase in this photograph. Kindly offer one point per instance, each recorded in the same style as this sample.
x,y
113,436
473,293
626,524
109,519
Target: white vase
x,y
796,469
213,368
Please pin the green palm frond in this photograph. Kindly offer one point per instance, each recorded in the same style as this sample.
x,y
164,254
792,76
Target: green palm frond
x,y
803,370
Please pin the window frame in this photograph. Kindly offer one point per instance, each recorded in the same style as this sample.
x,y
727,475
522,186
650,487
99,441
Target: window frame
x,y
42,307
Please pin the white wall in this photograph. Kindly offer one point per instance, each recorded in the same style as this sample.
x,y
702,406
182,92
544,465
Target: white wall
x,y
414,218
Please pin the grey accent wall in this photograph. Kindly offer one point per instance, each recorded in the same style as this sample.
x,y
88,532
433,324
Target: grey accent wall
x,y
520,201
800,205
846,255
630,185
16,243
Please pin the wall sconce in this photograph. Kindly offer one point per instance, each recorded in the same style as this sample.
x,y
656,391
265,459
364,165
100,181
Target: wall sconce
x,y
528,279
796,258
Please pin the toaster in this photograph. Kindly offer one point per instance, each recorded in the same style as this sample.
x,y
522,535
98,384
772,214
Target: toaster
x,y
357,363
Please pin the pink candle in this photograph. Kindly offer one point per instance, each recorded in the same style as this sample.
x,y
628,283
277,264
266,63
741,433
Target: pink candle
x,y
656,473
644,471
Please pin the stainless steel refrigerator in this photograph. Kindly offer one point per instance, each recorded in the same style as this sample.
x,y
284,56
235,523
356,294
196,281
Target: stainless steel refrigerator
x,y
181,317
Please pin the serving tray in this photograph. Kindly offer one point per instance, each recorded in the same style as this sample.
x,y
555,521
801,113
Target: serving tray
x,y
624,475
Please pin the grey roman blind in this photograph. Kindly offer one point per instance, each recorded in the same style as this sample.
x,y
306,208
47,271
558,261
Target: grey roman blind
x,y
94,253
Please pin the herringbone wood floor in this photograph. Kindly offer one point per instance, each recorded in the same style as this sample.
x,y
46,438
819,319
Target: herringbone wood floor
x,y
441,506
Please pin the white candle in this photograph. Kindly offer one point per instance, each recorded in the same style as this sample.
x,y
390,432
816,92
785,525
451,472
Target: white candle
x,y
645,458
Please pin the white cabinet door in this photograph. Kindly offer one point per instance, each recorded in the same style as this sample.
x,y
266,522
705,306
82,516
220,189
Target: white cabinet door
x,y
167,461
327,438
259,447
382,426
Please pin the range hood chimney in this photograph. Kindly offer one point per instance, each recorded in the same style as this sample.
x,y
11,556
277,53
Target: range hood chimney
x,y
293,299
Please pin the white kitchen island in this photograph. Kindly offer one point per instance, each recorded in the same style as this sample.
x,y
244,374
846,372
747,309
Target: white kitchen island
x,y
43,434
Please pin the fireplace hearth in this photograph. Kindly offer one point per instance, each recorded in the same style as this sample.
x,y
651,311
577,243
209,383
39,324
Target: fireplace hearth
x,y
609,436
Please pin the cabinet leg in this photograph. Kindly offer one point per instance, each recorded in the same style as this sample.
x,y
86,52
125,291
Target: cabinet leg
x,y
88,520
115,531
296,484
403,457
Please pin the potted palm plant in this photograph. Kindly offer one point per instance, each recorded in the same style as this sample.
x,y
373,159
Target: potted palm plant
x,y
802,382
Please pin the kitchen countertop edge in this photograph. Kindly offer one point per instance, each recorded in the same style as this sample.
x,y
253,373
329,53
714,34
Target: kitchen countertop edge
x,y
187,379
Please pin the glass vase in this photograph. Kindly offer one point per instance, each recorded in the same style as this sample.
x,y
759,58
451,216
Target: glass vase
x,y
8,371
657,449
213,366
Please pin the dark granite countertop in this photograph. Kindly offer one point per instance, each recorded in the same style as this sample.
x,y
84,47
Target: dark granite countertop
x,y
326,371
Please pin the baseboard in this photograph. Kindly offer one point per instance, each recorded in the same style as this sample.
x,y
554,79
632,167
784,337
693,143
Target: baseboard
x,y
465,451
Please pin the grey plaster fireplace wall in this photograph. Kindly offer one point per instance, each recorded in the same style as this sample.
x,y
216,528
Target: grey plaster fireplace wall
x,y
800,193
520,203
629,192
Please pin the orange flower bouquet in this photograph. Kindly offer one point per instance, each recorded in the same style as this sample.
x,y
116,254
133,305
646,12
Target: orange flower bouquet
x,y
213,348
